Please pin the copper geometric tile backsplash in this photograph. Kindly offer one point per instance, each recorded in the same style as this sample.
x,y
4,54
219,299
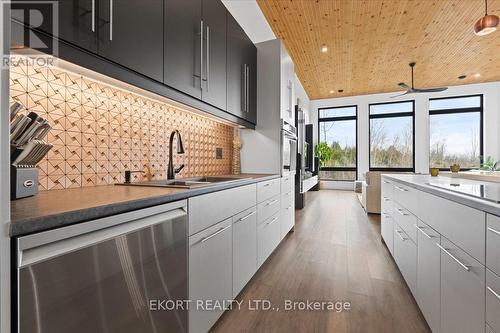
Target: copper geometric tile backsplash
x,y
99,131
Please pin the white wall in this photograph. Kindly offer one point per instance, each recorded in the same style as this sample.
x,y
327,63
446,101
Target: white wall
x,y
248,14
490,91
4,172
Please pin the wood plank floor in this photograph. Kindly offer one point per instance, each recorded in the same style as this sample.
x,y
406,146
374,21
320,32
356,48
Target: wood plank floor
x,y
335,254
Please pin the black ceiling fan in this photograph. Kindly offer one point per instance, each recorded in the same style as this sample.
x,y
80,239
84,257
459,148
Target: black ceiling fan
x,y
412,89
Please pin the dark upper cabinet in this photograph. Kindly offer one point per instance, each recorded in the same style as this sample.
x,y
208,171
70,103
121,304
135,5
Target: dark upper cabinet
x,y
76,20
214,66
182,48
131,34
241,72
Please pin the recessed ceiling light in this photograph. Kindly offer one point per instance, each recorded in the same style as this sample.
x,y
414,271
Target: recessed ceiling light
x,y
477,75
461,77
331,91
324,48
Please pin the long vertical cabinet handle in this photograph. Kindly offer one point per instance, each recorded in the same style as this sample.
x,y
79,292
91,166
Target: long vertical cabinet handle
x,y
93,15
110,19
201,55
247,92
243,87
208,58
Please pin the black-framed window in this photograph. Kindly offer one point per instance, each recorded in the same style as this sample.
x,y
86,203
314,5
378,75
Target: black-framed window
x,y
456,131
337,127
392,136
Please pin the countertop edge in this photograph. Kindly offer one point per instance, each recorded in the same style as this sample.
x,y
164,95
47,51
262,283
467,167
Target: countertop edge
x,y
478,204
23,227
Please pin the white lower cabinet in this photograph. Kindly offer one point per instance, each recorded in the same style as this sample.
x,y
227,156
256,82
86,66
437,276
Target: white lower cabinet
x,y
244,248
429,275
405,255
387,231
462,291
268,238
493,300
210,273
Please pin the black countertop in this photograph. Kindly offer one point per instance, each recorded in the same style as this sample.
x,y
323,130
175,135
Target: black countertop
x,y
58,208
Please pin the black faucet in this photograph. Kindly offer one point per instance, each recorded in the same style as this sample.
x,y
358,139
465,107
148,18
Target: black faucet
x,y
180,150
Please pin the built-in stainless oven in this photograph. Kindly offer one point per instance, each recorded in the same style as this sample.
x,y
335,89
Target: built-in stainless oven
x,y
288,147
116,274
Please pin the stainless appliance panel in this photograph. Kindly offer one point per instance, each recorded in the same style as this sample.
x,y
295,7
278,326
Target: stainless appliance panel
x,y
107,286
288,148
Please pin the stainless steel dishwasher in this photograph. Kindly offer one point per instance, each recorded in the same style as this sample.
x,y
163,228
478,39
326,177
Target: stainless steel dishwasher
x,y
101,275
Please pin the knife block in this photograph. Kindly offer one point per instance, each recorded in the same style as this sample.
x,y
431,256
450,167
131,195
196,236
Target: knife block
x,y
23,182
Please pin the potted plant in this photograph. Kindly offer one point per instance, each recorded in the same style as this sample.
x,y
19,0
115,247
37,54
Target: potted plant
x,y
490,164
323,153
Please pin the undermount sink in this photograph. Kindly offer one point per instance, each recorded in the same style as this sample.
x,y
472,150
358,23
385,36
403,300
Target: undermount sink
x,y
187,182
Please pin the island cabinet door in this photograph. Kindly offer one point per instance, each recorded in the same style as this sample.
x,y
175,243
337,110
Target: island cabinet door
x,y
429,275
387,230
462,291
210,275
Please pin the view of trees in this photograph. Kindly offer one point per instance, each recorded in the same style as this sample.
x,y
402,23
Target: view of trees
x,y
391,142
446,149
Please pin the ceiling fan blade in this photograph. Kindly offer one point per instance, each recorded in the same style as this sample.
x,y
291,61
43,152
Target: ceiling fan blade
x,y
431,90
404,85
405,93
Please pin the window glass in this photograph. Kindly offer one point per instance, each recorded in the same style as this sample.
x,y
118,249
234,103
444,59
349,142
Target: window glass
x,y
391,108
391,142
455,103
337,112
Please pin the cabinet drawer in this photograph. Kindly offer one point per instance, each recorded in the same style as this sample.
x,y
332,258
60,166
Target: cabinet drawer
x,y
387,231
405,254
286,183
462,290
493,244
206,210
405,220
387,188
462,225
268,189
268,208
493,300
406,196
210,272
268,237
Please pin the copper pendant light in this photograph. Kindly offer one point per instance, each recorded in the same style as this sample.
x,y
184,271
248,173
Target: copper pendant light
x,y
486,24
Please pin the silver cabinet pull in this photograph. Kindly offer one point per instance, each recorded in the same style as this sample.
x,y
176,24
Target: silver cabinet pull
x,y
401,189
246,216
289,207
386,182
386,215
399,232
464,266
208,58
272,221
272,202
247,90
201,55
423,232
494,231
265,185
401,211
493,292
243,88
204,239
93,15
110,19
387,199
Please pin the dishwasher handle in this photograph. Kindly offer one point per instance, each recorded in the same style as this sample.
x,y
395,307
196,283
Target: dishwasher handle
x,y
30,256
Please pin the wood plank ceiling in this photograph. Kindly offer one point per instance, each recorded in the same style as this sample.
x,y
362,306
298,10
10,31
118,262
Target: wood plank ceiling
x,y
371,42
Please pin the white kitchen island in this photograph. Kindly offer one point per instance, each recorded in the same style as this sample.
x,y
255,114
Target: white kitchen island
x,y
447,247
